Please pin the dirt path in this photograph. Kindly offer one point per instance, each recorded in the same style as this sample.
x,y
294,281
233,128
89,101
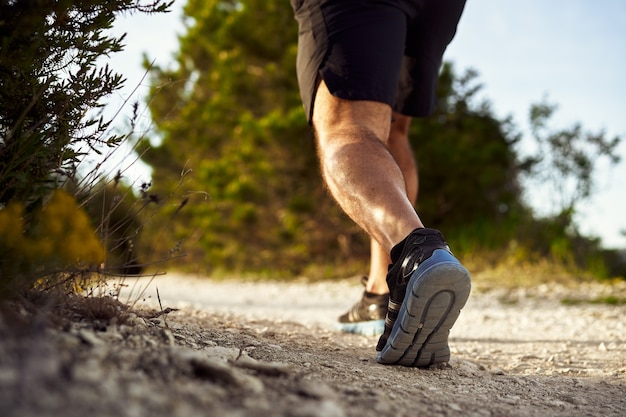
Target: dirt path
x,y
269,349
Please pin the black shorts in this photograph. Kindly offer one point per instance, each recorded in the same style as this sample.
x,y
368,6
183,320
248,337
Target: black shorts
x,y
388,51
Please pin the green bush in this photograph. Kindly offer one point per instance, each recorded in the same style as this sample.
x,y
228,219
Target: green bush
x,y
53,80
53,83
60,238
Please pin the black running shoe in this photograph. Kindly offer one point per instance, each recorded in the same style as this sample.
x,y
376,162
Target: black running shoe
x,y
428,288
367,316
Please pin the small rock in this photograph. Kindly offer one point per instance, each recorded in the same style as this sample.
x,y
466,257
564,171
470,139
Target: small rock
x,y
214,370
157,321
497,371
222,353
8,377
180,336
112,334
557,403
68,341
576,400
220,372
266,368
315,389
524,358
318,409
168,336
126,329
89,337
133,320
455,407
469,367
88,371
136,341
151,343
176,325
383,407
511,399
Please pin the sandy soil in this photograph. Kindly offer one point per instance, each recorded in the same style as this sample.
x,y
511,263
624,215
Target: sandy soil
x,y
269,349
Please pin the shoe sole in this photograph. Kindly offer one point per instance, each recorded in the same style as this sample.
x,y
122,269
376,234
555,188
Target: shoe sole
x,y
436,293
365,328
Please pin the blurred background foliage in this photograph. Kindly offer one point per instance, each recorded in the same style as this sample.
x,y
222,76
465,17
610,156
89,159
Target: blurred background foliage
x,y
233,158
230,124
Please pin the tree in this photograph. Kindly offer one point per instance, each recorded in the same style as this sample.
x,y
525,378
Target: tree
x,y
468,161
565,160
562,169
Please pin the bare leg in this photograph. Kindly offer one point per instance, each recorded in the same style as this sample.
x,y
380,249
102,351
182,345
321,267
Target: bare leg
x,y
400,148
358,168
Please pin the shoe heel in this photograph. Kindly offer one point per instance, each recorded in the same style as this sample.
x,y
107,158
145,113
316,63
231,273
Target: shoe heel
x,y
436,293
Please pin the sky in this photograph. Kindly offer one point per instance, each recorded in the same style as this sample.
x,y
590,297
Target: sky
x,y
572,52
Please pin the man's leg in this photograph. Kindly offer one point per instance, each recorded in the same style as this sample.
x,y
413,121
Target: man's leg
x,y
359,169
428,286
400,148
367,315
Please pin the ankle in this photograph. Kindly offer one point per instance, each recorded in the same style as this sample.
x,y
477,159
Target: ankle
x,y
377,289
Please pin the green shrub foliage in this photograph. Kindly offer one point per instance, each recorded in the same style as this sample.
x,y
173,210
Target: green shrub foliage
x,y
53,82
53,77
60,239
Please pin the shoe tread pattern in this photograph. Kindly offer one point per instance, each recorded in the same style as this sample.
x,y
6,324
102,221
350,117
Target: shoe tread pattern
x,y
435,295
